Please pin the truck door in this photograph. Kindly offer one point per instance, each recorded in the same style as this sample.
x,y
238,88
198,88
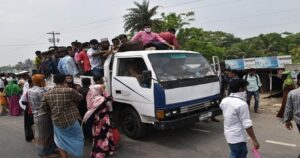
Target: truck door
x,y
128,88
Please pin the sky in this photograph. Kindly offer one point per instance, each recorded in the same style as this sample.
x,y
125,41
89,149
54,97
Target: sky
x,y
25,23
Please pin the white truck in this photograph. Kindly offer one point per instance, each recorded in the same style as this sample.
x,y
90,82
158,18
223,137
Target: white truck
x,y
164,88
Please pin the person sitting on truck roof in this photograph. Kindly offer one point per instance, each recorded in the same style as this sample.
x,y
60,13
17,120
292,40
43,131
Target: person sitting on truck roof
x,y
151,39
169,36
129,45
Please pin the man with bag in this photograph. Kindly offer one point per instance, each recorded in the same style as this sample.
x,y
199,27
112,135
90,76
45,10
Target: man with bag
x,y
237,120
253,88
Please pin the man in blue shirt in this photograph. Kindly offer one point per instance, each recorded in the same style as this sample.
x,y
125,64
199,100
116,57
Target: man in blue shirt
x,y
67,65
253,88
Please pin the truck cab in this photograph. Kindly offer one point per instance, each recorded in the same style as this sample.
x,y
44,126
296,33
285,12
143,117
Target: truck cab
x,y
166,89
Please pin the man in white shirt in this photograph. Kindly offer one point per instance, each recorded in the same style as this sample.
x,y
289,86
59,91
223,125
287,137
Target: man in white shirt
x,y
1,83
253,88
237,120
95,58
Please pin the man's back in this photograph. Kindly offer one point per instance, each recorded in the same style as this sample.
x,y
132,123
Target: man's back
x,y
63,106
236,118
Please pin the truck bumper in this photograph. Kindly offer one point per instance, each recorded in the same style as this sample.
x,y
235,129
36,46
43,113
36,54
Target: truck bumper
x,y
185,121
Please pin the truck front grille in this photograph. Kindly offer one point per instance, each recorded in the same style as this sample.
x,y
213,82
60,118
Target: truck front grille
x,y
192,108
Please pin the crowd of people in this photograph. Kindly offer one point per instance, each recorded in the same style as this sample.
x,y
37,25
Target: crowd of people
x,y
59,119
87,58
237,93
53,115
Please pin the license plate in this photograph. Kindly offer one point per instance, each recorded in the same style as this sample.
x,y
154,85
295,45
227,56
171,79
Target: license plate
x,y
205,116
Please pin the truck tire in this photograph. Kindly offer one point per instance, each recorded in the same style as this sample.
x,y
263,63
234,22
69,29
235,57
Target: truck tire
x,y
131,124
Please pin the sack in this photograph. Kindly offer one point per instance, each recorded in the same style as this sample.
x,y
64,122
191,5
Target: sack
x,y
255,153
116,136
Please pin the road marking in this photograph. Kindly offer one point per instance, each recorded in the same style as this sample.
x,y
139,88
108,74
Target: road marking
x,y
281,143
199,130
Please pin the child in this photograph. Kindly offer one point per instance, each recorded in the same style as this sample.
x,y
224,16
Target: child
x,y
3,102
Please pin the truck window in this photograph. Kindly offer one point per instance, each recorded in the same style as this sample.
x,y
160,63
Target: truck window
x,y
178,66
132,67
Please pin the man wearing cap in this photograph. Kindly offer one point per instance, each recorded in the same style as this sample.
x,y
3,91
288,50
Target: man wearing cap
x,y
253,88
106,50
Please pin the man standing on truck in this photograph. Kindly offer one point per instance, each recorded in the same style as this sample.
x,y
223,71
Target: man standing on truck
x,y
237,120
95,58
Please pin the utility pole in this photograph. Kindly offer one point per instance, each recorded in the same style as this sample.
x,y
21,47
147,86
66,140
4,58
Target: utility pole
x,y
53,39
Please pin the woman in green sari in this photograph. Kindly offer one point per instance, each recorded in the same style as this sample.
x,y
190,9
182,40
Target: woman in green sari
x,y
13,91
288,85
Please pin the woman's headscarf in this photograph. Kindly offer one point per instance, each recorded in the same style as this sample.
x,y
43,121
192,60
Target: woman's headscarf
x,y
288,81
12,88
94,99
38,80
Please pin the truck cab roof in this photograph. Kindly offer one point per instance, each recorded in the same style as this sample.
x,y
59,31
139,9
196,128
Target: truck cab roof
x,y
146,52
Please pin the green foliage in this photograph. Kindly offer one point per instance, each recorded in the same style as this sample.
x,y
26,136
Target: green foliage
x,y
226,46
173,20
208,43
211,43
139,16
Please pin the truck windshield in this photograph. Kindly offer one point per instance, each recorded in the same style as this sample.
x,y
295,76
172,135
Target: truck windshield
x,y
180,66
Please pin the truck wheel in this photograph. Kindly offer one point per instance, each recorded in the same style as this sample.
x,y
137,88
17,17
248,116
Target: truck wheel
x,y
131,124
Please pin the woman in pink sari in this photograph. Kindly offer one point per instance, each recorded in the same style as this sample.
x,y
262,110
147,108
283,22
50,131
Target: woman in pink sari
x,y
13,91
98,111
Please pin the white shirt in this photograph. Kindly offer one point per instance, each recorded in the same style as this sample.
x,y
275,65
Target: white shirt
x,y
254,83
26,86
236,118
94,60
23,99
1,84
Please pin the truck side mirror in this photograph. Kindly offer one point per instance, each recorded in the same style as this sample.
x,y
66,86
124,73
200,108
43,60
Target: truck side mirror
x,y
147,77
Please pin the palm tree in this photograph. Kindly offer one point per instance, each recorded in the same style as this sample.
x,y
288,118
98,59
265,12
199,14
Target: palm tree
x,y
139,16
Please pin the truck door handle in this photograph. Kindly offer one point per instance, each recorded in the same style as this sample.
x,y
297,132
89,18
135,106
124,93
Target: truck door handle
x,y
118,91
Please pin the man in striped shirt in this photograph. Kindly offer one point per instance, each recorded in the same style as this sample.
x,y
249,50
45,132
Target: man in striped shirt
x,y
292,109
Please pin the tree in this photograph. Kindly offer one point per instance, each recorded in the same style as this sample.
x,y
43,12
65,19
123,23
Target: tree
x,y
139,16
173,20
208,43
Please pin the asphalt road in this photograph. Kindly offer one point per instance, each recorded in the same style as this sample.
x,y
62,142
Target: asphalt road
x,y
204,140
